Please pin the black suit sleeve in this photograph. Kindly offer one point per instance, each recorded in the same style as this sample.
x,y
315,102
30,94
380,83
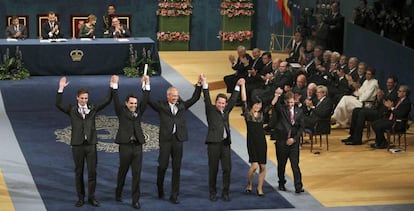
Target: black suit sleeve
x,y
117,104
59,104
196,95
144,102
105,102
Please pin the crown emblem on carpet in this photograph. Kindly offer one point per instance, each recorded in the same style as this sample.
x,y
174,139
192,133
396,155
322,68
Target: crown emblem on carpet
x,y
76,55
107,126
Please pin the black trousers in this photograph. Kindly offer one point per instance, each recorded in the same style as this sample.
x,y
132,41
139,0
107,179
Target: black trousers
x,y
173,148
130,155
359,116
379,127
219,152
81,153
283,153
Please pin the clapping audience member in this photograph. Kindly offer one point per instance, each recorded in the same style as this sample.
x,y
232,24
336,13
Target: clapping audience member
x,y
87,30
241,66
51,28
397,117
378,111
16,30
363,95
118,30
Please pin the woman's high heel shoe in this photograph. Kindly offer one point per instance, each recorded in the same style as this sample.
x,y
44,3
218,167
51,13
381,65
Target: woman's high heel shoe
x,y
259,194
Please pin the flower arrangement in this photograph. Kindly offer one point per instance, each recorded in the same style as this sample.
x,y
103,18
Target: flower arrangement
x,y
136,65
12,67
231,8
173,36
235,36
174,8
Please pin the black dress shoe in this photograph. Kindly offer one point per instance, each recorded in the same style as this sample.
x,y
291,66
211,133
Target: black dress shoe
x,y
136,205
282,188
346,140
225,197
213,197
94,202
351,143
80,203
174,200
160,194
299,190
118,198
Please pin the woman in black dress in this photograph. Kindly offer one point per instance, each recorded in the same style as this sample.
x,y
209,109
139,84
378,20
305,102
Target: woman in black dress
x,y
256,141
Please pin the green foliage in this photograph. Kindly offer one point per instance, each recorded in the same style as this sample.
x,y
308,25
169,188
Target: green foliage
x,y
12,67
136,65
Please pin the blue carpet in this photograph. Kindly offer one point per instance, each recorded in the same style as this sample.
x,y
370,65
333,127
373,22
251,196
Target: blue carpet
x,y
30,107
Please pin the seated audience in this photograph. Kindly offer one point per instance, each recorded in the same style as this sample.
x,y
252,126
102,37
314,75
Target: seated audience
x,y
365,94
378,111
241,66
321,110
399,114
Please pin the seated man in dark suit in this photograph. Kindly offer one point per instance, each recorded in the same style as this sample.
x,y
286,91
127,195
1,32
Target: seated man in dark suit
x,y
321,110
118,30
399,112
51,28
378,111
16,30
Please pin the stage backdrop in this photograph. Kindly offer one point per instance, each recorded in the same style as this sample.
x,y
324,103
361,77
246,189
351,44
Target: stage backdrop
x,y
204,26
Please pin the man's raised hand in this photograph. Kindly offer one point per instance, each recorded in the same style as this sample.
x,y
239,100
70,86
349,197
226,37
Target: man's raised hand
x,y
63,83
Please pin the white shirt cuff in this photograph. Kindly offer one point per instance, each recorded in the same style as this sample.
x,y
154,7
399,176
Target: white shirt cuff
x,y
237,88
60,90
114,85
205,86
147,87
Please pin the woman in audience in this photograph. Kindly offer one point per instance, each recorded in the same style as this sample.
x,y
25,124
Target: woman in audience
x,y
365,95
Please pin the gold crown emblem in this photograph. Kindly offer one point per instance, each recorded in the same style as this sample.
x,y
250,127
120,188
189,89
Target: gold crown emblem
x,y
76,55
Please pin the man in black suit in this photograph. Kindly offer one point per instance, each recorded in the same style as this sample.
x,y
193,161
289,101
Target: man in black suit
x,y
241,66
378,111
321,110
398,112
173,132
118,30
336,22
107,19
51,28
16,30
83,137
130,139
293,51
218,138
287,132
